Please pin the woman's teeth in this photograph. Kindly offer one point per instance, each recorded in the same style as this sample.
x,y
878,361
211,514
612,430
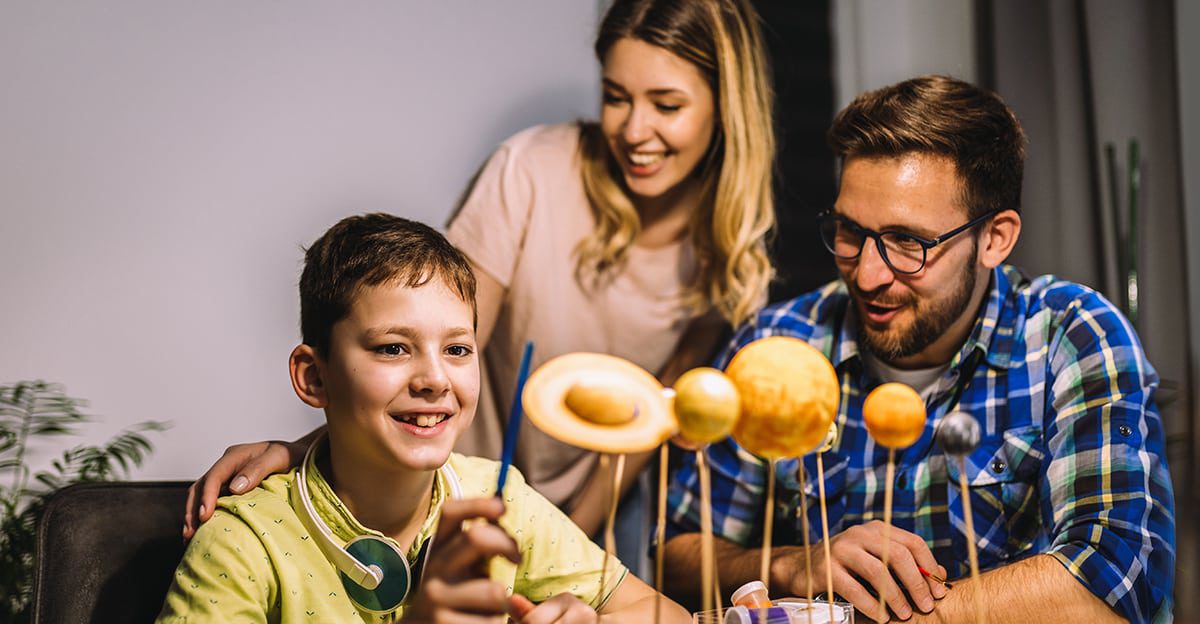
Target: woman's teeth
x,y
645,160
424,420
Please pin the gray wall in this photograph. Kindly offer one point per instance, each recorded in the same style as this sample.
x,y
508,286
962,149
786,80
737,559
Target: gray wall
x,y
161,165
1187,24
880,42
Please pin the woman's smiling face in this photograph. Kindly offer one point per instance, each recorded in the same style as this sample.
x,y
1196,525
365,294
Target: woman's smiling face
x,y
658,116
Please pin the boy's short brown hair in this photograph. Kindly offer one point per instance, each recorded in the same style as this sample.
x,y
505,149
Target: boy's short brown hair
x,y
946,117
369,250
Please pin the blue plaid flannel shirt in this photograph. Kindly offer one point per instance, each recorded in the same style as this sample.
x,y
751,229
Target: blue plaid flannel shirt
x,y
1071,462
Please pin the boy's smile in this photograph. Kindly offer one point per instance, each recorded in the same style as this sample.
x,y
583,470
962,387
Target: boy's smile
x,y
401,378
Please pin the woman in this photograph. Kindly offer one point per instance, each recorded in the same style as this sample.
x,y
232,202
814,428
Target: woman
x,y
641,236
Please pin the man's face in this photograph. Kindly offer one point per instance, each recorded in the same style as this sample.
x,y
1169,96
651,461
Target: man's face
x,y
921,319
402,376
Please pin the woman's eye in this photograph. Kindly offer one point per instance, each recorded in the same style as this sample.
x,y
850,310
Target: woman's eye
x,y
668,108
612,98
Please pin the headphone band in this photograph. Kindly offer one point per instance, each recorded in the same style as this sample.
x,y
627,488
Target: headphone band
x,y
368,577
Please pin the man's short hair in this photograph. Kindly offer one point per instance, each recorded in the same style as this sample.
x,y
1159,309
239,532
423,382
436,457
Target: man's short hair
x,y
369,250
946,117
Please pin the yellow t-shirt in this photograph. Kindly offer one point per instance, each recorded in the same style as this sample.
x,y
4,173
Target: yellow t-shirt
x,y
255,562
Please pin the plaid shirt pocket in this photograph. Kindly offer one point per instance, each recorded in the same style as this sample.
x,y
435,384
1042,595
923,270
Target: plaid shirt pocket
x,y
1003,475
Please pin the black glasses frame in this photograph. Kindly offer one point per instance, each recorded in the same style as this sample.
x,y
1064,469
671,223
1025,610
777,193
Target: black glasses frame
x,y
925,243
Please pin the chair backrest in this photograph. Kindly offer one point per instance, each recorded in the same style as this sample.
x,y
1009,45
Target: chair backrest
x,y
106,552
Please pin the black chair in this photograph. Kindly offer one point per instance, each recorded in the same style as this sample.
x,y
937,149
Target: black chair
x,y
106,552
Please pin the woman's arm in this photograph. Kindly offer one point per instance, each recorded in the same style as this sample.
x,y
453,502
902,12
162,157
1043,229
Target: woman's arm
x,y
695,348
242,467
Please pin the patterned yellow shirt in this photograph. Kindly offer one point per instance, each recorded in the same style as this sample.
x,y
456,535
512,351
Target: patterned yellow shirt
x,y
255,562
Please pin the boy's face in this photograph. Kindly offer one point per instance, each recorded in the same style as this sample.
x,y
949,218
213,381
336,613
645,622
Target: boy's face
x,y
401,378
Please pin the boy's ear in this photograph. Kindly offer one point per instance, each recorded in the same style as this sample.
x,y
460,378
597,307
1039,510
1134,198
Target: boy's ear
x,y
305,367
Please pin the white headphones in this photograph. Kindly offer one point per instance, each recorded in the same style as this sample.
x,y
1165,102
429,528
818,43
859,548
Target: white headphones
x,y
374,572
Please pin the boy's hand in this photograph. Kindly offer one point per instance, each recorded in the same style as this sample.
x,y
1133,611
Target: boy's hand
x,y
561,609
455,584
251,463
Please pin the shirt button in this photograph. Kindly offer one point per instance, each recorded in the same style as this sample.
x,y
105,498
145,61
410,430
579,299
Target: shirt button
x,y
998,466
1124,430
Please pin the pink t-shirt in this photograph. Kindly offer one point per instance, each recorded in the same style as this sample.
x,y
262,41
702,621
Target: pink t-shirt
x,y
520,223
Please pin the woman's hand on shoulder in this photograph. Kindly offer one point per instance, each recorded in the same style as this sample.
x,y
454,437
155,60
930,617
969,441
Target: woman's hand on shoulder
x,y
241,468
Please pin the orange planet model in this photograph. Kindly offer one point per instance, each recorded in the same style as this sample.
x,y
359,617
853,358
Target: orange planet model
x,y
706,405
894,415
789,394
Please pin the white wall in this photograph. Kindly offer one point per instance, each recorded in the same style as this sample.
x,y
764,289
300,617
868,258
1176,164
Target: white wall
x,y
880,42
161,165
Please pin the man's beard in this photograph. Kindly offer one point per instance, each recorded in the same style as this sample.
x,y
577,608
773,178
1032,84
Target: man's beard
x,y
929,323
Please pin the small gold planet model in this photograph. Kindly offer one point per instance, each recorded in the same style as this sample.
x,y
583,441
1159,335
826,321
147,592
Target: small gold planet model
x,y
894,415
706,405
789,394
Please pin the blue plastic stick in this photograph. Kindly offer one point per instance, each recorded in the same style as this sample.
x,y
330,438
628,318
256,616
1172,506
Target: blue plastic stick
x,y
514,418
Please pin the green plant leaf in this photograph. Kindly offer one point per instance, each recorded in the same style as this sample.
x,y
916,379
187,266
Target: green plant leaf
x,y
38,409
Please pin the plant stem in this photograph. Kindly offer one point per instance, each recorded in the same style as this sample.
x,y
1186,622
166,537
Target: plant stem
x,y
21,475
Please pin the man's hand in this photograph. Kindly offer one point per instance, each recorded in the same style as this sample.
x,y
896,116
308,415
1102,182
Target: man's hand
x,y
455,586
857,558
241,468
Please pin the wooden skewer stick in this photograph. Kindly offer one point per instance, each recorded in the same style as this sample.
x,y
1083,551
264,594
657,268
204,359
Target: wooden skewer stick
x,y
706,536
972,555
958,435
768,524
825,535
609,538
717,594
895,417
769,520
808,575
887,521
662,531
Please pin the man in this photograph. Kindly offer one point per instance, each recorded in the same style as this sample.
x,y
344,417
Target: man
x,y
1070,496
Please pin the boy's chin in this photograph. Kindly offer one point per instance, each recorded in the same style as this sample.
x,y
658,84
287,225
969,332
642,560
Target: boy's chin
x,y
427,459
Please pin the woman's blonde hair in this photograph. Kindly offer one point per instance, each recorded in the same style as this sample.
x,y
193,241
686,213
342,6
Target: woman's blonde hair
x,y
730,227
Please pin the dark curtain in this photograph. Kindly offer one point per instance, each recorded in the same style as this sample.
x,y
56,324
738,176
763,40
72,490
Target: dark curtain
x,y
800,43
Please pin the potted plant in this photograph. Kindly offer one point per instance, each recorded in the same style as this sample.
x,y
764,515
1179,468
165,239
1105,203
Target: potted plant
x,y
31,411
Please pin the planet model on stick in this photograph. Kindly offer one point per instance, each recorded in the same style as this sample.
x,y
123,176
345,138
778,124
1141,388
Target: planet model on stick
x,y
789,394
894,415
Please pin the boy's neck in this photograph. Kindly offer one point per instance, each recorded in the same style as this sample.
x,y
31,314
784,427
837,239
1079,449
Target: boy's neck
x,y
395,503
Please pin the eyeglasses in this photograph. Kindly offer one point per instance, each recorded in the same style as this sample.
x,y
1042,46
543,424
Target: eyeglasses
x,y
903,252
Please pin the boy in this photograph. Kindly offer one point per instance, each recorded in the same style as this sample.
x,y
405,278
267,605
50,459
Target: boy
x,y
388,323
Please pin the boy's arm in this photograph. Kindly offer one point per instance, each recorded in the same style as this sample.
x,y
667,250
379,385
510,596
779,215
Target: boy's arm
x,y
225,576
635,601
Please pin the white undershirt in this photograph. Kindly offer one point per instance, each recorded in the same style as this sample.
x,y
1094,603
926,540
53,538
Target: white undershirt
x,y
923,380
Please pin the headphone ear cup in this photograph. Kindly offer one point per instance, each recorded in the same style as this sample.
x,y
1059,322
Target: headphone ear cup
x,y
397,579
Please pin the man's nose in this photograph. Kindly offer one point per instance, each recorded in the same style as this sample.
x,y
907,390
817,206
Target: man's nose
x,y
872,272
